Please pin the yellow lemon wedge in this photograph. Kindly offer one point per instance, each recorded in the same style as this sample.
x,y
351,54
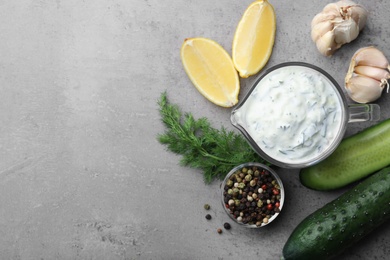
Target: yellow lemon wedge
x,y
254,38
211,70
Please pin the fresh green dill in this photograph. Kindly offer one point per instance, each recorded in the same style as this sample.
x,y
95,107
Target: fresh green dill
x,y
213,151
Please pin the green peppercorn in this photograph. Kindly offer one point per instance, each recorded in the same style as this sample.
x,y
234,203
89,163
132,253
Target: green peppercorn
x,y
244,170
229,183
250,172
252,183
248,177
230,191
241,185
206,206
256,173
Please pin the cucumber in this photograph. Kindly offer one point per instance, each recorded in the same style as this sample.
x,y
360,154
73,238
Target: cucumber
x,y
356,157
336,226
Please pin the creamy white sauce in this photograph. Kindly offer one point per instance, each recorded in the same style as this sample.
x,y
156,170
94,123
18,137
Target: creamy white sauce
x,y
293,114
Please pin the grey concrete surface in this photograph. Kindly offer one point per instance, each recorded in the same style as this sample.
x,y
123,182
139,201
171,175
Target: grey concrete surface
x,y
82,175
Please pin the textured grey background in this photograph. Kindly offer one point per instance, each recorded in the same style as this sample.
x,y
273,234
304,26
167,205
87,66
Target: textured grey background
x,y
81,173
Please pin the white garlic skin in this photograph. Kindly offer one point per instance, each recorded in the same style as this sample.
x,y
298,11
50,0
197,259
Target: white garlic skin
x,y
368,75
337,24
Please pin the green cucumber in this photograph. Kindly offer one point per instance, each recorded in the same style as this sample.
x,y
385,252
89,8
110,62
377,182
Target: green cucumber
x,y
339,224
356,157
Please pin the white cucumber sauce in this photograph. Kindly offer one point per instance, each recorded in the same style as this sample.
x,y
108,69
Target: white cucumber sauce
x,y
293,114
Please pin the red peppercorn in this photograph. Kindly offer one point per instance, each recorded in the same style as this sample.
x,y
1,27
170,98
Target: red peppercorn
x,y
277,204
275,191
269,207
264,187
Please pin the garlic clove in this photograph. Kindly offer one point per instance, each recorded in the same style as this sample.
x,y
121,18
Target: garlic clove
x,y
356,11
360,16
346,31
368,75
363,89
378,74
320,29
324,16
326,44
370,56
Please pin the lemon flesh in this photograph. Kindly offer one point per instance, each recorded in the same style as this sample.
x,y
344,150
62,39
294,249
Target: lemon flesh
x,y
211,70
254,38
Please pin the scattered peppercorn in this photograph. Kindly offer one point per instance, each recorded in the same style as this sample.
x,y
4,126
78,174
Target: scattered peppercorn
x,y
226,225
219,231
208,216
206,206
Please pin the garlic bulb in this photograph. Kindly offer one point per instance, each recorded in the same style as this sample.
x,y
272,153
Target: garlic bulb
x,y
368,75
338,23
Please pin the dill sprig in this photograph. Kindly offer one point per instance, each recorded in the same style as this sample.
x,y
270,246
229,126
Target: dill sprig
x,y
213,151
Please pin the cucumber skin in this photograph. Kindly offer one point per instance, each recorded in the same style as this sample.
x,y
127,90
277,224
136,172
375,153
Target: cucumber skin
x,y
331,229
356,157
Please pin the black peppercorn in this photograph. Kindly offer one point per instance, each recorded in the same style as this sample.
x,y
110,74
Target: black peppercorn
x,y
208,216
226,225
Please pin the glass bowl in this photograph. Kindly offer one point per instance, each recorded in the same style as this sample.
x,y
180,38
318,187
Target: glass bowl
x,y
252,195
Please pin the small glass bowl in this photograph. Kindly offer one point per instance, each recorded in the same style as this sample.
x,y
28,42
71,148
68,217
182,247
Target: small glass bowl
x,y
240,218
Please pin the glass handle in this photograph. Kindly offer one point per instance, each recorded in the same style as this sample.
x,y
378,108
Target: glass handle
x,y
363,112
